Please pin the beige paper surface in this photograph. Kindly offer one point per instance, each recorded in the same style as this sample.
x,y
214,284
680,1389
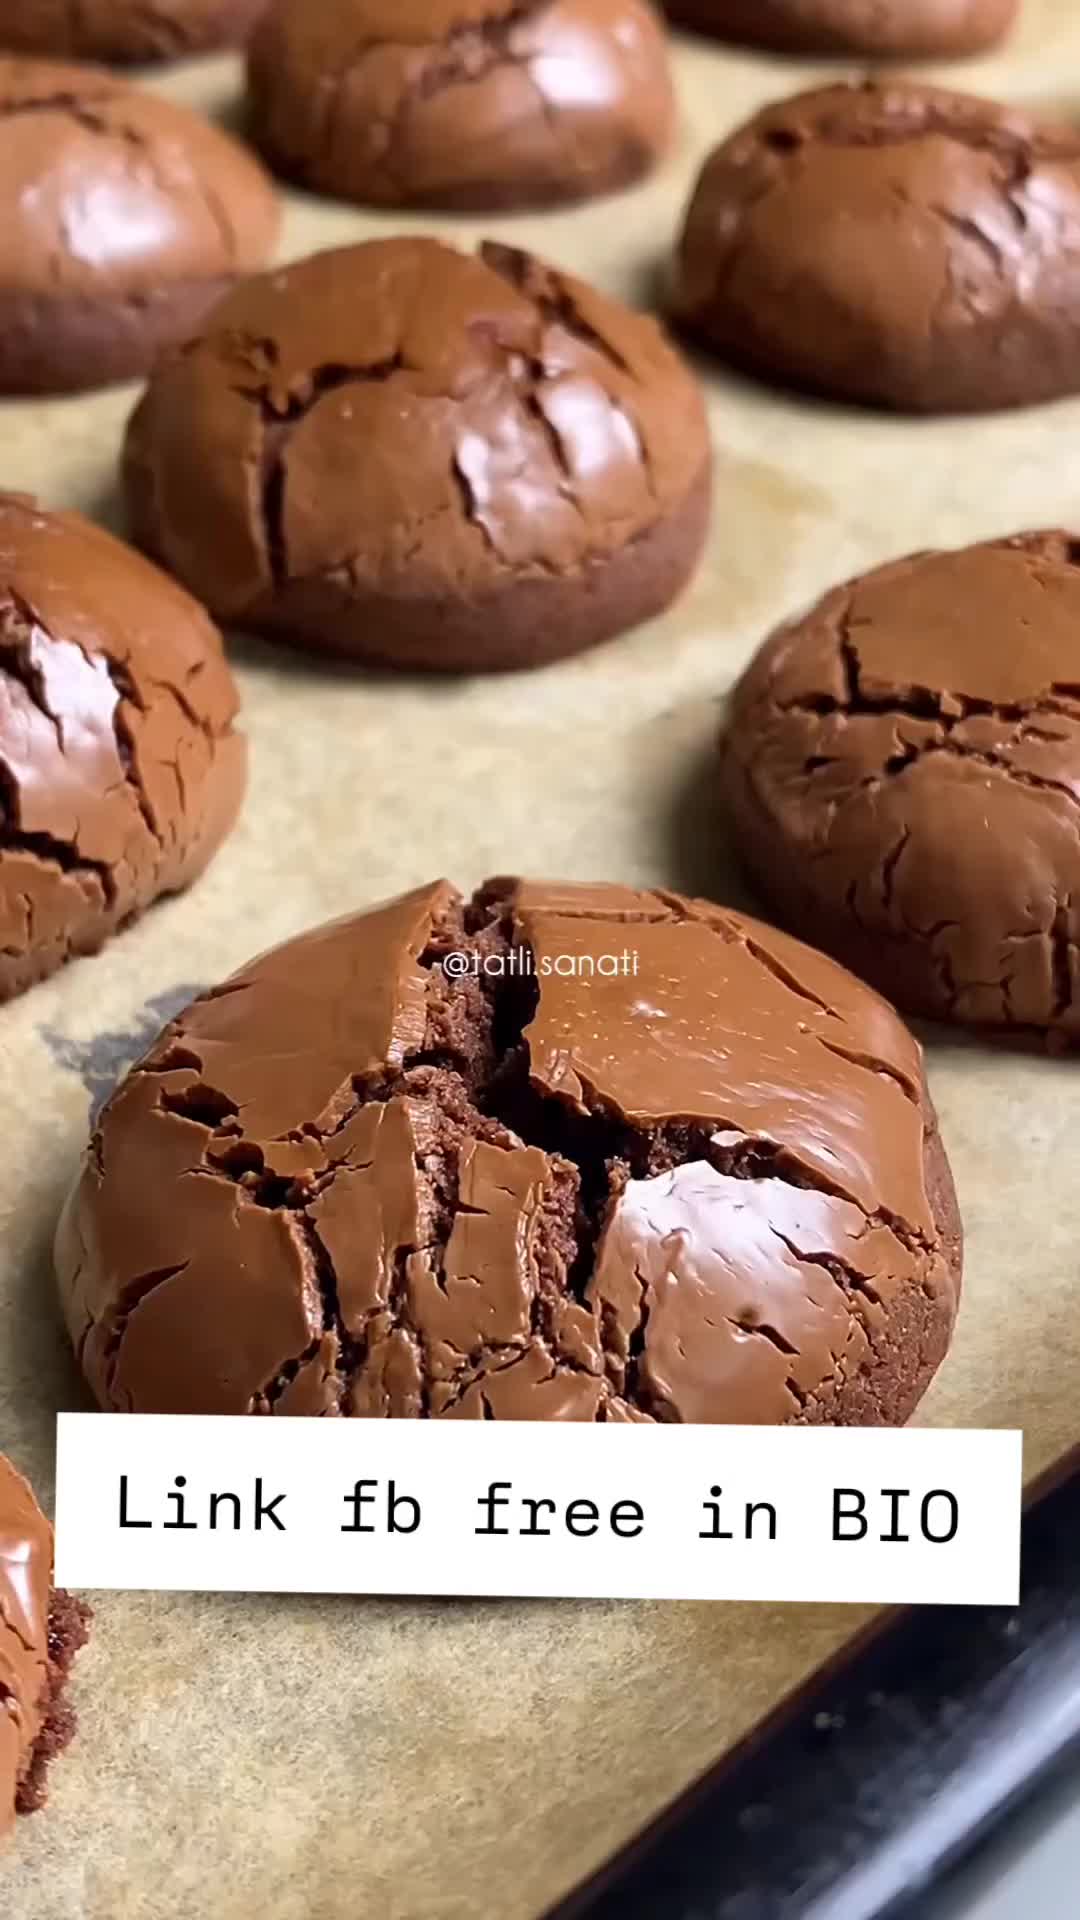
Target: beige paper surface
x,y
352,1760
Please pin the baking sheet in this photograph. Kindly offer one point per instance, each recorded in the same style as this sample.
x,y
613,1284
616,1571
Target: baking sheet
x,y
316,1759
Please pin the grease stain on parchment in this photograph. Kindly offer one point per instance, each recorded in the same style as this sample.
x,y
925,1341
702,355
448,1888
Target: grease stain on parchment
x,y
762,519
100,1062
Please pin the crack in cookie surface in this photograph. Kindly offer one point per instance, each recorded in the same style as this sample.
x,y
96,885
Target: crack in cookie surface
x,y
119,768
401,1191
409,441
913,747
461,104
955,296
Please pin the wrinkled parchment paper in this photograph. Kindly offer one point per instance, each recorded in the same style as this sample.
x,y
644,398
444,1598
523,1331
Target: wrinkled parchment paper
x,y
316,1759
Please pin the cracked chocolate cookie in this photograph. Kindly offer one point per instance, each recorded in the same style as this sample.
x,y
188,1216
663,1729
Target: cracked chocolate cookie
x,y
123,31
877,29
423,458
120,772
567,1152
903,771
41,1631
125,218
461,103
892,244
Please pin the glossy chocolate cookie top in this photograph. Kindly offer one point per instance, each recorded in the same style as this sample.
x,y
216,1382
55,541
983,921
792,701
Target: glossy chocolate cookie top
x,y
891,243
109,188
903,765
125,30
417,434
461,103
563,1151
122,771
124,217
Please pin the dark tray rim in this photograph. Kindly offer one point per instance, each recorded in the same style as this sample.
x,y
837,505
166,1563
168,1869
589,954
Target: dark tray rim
x,y
648,1876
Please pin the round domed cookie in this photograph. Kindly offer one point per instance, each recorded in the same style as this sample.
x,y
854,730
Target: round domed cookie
x,y
878,29
423,458
121,31
120,772
124,218
902,767
461,103
564,1152
41,1631
893,244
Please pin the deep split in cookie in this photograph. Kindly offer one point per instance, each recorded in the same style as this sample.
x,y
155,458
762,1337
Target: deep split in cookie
x,y
542,1198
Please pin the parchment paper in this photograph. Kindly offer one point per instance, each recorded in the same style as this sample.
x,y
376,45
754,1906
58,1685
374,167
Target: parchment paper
x,y
350,1760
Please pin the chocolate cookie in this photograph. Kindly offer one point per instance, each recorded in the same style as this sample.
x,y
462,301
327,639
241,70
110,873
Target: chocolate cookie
x,y
124,219
120,772
425,459
125,30
41,1631
566,1152
893,244
903,770
443,104
879,29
